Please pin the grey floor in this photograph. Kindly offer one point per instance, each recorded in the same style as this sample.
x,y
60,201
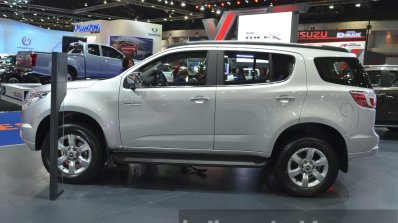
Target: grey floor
x,y
157,193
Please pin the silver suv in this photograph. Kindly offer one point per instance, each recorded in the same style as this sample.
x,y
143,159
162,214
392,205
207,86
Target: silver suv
x,y
307,109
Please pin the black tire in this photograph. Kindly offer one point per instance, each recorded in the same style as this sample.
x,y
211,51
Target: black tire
x,y
72,73
300,147
15,79
84,134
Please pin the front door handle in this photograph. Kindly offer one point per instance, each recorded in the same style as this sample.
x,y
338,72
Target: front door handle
x,y
200,99
285,98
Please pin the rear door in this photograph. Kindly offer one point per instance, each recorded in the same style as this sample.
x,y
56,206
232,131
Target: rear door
x,y
111,62
93,61
253,106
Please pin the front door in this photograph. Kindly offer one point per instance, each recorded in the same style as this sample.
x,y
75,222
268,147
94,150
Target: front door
x,y
177,114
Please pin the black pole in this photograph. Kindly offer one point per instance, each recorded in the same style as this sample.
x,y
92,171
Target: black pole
x,y
58,92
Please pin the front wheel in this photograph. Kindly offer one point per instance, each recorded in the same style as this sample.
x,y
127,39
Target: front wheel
x,y
307,167
79,153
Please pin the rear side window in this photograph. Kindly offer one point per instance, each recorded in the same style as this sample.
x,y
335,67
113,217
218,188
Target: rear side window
x,y
344,71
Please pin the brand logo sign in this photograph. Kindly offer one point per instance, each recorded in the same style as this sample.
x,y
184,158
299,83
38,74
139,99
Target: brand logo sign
x,y
154,32
26,41
91,28
314,36
349,34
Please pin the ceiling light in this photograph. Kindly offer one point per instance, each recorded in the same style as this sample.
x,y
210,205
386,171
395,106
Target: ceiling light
x,y
358,5
165,19
142,0
35,14
183,4
186,17
42,20
171,3
152,6
238,2
85,4
105,2
228,3
331,6
148,20
202,8
4,15
218,12
166,2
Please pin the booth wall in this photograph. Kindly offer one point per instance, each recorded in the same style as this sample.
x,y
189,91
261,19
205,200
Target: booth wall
x,y
17,36
124,28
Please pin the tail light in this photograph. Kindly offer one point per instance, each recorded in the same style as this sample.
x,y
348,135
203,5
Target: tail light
x,y
33,57
364,98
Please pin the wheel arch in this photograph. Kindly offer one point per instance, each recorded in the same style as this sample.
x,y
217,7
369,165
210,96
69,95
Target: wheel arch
x,y
72,117
322,131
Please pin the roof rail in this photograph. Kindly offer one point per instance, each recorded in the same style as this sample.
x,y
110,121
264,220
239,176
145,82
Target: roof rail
x,y
332,48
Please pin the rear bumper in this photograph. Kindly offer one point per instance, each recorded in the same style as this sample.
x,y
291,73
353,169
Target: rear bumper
x,y
371,152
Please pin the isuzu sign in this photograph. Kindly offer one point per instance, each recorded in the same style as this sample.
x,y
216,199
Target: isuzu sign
x,y
91,28
314,36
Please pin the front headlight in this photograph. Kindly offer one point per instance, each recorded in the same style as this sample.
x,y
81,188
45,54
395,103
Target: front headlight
x,y
33,96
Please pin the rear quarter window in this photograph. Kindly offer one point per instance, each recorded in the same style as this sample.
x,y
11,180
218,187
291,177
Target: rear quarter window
x,y
342,70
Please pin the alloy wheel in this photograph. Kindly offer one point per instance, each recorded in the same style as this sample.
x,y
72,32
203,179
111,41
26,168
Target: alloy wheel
x,y
307,167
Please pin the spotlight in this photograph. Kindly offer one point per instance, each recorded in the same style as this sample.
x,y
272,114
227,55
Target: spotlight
x,y
183,4
85,4
238,2
202,8
331,6
218,12
358,5
105,2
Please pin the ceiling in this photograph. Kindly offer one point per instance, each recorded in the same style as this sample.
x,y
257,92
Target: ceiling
x,y
181,14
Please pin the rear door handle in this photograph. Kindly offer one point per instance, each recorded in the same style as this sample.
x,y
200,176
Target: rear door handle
x,y
285,98
200,99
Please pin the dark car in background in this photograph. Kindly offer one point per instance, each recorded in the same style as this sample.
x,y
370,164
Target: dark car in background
x,y
384,79
7,70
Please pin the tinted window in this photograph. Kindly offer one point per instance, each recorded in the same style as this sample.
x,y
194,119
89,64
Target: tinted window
x,y
110,52
93,49
251,67
185,68
389,78
375,78
344,71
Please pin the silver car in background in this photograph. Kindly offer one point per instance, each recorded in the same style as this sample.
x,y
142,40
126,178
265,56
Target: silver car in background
x,y
307,109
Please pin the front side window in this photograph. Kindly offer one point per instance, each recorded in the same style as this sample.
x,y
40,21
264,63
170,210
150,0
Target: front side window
x,y
110,52
341,70
253,67
93,49
177,69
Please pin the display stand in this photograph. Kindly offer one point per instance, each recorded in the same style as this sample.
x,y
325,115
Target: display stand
x,y
58,92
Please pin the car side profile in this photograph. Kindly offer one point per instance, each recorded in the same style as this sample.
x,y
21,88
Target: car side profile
x,y
307,110
384,80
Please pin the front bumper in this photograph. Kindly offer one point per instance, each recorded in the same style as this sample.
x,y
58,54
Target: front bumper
x,y
28,136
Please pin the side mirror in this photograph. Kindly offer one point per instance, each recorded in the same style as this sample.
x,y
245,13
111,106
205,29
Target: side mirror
x,y
134,81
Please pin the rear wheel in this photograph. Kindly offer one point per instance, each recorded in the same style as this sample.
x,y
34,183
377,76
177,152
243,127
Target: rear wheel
x,y
71,74
79,153
14,79
307,167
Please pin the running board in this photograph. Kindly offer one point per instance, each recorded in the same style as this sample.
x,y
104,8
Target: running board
x,y
189,159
